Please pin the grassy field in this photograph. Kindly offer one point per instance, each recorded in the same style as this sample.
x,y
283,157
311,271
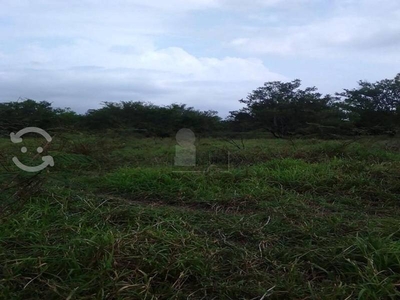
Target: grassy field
x,y
276,219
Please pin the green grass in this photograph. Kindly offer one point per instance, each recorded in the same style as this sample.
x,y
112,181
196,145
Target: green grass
x,y
115,220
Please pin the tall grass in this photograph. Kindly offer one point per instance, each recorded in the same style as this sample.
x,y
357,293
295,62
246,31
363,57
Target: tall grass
x,y
116,220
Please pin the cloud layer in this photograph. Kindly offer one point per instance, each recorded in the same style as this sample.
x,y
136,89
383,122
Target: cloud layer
x,y
206,53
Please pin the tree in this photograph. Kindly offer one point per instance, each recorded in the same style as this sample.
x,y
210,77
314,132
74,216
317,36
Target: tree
x,y
31,113
284,109
150,119
373,106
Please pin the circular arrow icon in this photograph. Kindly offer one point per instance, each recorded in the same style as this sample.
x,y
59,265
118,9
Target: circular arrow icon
x,y
17,138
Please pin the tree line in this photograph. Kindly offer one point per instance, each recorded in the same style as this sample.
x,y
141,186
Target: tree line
x,y
283,109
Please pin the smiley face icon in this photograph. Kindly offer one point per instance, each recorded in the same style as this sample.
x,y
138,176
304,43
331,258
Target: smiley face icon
x,y
17,138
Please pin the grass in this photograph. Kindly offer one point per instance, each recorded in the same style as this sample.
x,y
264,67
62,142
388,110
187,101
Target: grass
x,y
115,220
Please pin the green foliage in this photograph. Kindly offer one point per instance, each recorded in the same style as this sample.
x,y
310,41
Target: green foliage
x,y
150,119
113,220
285,109
374,106
29,113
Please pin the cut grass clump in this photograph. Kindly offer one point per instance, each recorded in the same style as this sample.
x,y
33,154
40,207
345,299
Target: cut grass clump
x,y
168,185
261,182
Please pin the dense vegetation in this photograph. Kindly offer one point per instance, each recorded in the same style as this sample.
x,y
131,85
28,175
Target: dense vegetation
x,y
281,108
302,219
279,218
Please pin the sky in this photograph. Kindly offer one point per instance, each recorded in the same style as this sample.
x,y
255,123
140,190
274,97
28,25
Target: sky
x,y
205,53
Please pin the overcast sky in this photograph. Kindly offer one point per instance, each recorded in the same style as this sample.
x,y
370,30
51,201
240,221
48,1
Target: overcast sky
x,y
205,53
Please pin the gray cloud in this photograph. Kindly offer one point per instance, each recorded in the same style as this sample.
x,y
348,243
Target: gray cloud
x,y
83,88
352,27
81,53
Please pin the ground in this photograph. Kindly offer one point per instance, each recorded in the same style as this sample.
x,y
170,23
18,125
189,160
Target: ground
x,y
256,219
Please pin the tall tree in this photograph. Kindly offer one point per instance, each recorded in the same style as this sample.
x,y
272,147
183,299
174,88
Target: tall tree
x,y
374,106
284,109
